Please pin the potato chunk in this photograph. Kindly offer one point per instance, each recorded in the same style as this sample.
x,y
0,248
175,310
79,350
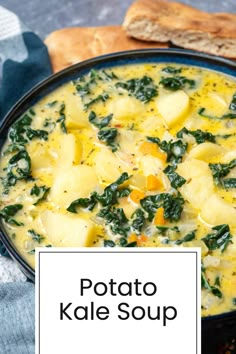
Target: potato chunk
x,y
173,107
70,150
193,168
40,155
151,124
76,118
124,107
151,165
206,151
216,211
73,183
197,191
67,230
108,167
199,186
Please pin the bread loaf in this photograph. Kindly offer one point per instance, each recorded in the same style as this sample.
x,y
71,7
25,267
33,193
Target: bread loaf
x,y
72,45
184,26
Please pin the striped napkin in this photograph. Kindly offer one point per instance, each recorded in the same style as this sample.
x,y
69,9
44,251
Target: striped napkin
x,y
24,62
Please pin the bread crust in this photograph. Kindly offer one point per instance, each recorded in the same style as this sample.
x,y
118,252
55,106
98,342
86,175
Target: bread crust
x,y
183,25
72,45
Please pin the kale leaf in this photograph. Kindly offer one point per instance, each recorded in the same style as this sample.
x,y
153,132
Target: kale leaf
x,y
19,167
111,192
172,204
116,219
13,148
20,132
177,83
138,220
123,243
171,70
9,211
175,150
21,162
123,192
202,113
41,191
108,135
219,238
205,285
176,180
51,104
109,243
199,135
173,207
163,230
49,123
99,123
132,244
35,236
100,98
221,170
228,183
62,118
18,129
33,250
232,105
39,133
108,198
86,203
217,281
109,76
187,238
143,89
83,90
84,87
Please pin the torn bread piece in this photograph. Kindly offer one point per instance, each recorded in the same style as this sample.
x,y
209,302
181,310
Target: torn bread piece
x,y
69,46
182,25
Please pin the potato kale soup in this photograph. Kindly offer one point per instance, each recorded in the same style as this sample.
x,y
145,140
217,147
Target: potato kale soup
x,y
134,156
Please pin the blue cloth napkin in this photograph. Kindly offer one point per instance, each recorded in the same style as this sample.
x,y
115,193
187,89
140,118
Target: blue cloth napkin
x,y
24,62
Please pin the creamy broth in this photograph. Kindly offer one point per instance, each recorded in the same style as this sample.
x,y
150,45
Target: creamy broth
x,y
134,156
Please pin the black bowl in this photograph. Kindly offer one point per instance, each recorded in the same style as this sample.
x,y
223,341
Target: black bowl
x,y
215,329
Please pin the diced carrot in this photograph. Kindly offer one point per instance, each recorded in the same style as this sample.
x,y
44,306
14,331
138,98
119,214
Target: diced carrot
x,y
132,238
142,239
148,148
159,217
154,183
136,195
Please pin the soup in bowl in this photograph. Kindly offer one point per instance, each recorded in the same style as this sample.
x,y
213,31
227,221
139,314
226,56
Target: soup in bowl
x,y
139,154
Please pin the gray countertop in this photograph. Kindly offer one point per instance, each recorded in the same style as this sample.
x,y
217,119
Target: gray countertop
x,y
45,16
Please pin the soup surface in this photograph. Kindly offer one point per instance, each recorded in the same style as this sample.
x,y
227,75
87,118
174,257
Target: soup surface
x,y
134,156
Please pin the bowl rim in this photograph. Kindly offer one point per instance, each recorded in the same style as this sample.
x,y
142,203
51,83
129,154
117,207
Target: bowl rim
x,y
15,112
